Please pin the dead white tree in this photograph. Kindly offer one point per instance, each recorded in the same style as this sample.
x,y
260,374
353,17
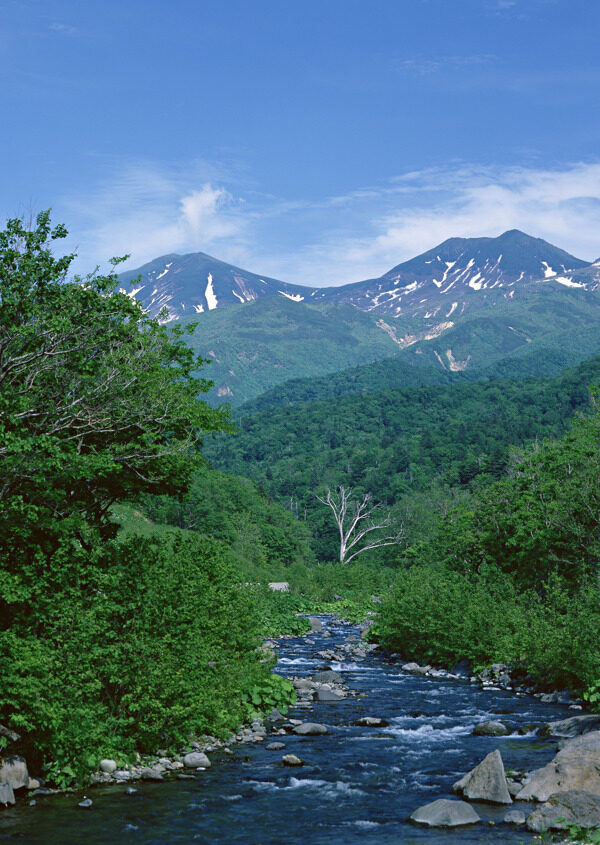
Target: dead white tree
x,y
357,519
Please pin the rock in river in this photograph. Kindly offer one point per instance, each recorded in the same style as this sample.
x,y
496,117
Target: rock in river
x,y
310,729
486,782
328,676
13,770
491,728
291,760
195,759
575,807
445,813
7,796
575,767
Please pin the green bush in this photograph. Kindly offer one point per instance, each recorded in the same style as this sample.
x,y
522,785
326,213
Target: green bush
x,y
439,615
159,646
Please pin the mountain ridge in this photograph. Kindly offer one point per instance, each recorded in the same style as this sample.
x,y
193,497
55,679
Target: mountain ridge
x,y
449,274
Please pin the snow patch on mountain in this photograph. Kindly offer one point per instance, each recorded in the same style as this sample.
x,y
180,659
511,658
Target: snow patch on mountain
x,y
165,271
295,297
211,299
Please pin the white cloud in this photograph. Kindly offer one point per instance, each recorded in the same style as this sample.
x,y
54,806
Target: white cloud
x,y
561,206
145,212
148,211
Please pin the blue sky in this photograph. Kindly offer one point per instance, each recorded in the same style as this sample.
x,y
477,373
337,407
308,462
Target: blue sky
x,y
318,142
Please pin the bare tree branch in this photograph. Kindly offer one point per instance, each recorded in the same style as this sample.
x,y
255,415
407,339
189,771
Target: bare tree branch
x,y
356,518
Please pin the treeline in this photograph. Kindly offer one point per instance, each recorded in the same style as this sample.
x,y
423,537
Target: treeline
x,y
399,444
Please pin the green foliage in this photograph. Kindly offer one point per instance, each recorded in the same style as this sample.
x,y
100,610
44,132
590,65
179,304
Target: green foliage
x,y
97,403
160,646
107,646
437,615
576,833
396,444
279,612
265,538
273,691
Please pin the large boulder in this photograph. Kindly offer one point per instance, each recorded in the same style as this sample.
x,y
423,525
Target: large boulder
x,y
575,726
328,695
310,729
371,722
315,625
13,770
445,813
575,767
486,782
575,807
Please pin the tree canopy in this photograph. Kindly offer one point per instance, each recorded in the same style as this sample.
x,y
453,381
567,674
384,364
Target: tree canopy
x,y
97,403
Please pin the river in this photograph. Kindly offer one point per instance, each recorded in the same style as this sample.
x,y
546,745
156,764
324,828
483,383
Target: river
x,y
358,785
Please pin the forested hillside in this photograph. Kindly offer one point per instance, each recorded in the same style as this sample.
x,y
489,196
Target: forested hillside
x,y
397,443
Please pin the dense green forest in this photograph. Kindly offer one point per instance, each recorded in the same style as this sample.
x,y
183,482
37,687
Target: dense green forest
x,y
399,444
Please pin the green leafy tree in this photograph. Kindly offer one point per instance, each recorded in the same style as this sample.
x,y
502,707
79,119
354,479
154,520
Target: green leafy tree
x,y
97,403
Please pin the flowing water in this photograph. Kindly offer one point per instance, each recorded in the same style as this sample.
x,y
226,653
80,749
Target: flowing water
x,y
358,785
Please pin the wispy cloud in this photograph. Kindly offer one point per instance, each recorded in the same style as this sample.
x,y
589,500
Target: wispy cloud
x,y
63,28
562,206
427,65
148,211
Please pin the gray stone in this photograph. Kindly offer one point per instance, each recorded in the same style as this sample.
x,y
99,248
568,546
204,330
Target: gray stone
x,y
328,676
13,770
303,683
486,782
315,625
575,767
195,759
275,715
491,728
108,766
515,817
445,813
150,774
86,803
11,736
410,667
131,791
291,760
328,695
575,806
575,726
275,746
310,729
7,795
371,722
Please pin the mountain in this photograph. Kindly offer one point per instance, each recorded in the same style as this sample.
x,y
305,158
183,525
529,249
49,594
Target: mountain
x,y
467,304
434,287
197,283
463,272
